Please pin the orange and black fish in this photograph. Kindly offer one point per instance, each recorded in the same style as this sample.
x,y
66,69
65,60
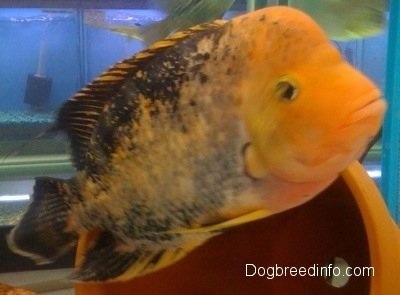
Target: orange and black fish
x,y
10,290
219,125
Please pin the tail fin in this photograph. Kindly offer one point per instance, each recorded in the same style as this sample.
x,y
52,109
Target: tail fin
x,y
43,233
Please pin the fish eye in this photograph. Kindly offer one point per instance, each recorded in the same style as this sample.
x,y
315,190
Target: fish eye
x,y
286,90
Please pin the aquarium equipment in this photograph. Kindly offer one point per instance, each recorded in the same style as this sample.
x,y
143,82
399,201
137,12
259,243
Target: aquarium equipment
x,y
38,86
37,92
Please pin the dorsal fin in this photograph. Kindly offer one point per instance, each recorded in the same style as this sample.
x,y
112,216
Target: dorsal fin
x,y
79,116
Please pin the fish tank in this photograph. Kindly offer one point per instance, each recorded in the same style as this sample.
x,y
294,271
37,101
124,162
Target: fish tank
x,y
51,49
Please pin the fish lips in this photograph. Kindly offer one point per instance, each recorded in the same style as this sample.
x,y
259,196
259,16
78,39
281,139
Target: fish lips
x,y
373,110
365,123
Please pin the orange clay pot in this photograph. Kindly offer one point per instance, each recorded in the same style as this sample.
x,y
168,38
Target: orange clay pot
x,y
348,220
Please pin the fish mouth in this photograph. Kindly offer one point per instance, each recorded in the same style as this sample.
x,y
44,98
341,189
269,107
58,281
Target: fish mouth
x,y
373,108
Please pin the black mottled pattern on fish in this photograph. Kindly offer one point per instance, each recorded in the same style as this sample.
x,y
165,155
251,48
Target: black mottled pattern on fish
x,y
150,135
94,115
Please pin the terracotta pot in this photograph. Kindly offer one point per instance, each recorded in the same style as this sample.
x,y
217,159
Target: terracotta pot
x,y
348,220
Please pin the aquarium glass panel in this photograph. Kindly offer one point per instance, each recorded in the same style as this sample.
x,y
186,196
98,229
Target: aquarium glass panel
x,y
40,67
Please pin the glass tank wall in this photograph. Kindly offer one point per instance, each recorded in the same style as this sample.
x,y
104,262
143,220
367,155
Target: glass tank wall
x,y
50,49
391,132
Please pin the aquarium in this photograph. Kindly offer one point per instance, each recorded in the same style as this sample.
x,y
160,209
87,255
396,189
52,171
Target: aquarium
x,y
51,49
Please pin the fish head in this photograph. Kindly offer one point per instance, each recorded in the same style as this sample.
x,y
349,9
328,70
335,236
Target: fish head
x,y
308,112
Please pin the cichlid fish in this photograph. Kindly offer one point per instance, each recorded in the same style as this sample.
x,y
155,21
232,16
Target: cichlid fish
x,y
181,14
346,19
10,290
216,126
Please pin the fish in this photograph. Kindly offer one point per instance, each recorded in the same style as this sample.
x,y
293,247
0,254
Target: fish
x,y
181,14
10,290
345,20
213,127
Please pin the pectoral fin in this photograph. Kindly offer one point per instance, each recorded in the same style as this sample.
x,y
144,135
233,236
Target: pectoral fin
x,y
252,164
